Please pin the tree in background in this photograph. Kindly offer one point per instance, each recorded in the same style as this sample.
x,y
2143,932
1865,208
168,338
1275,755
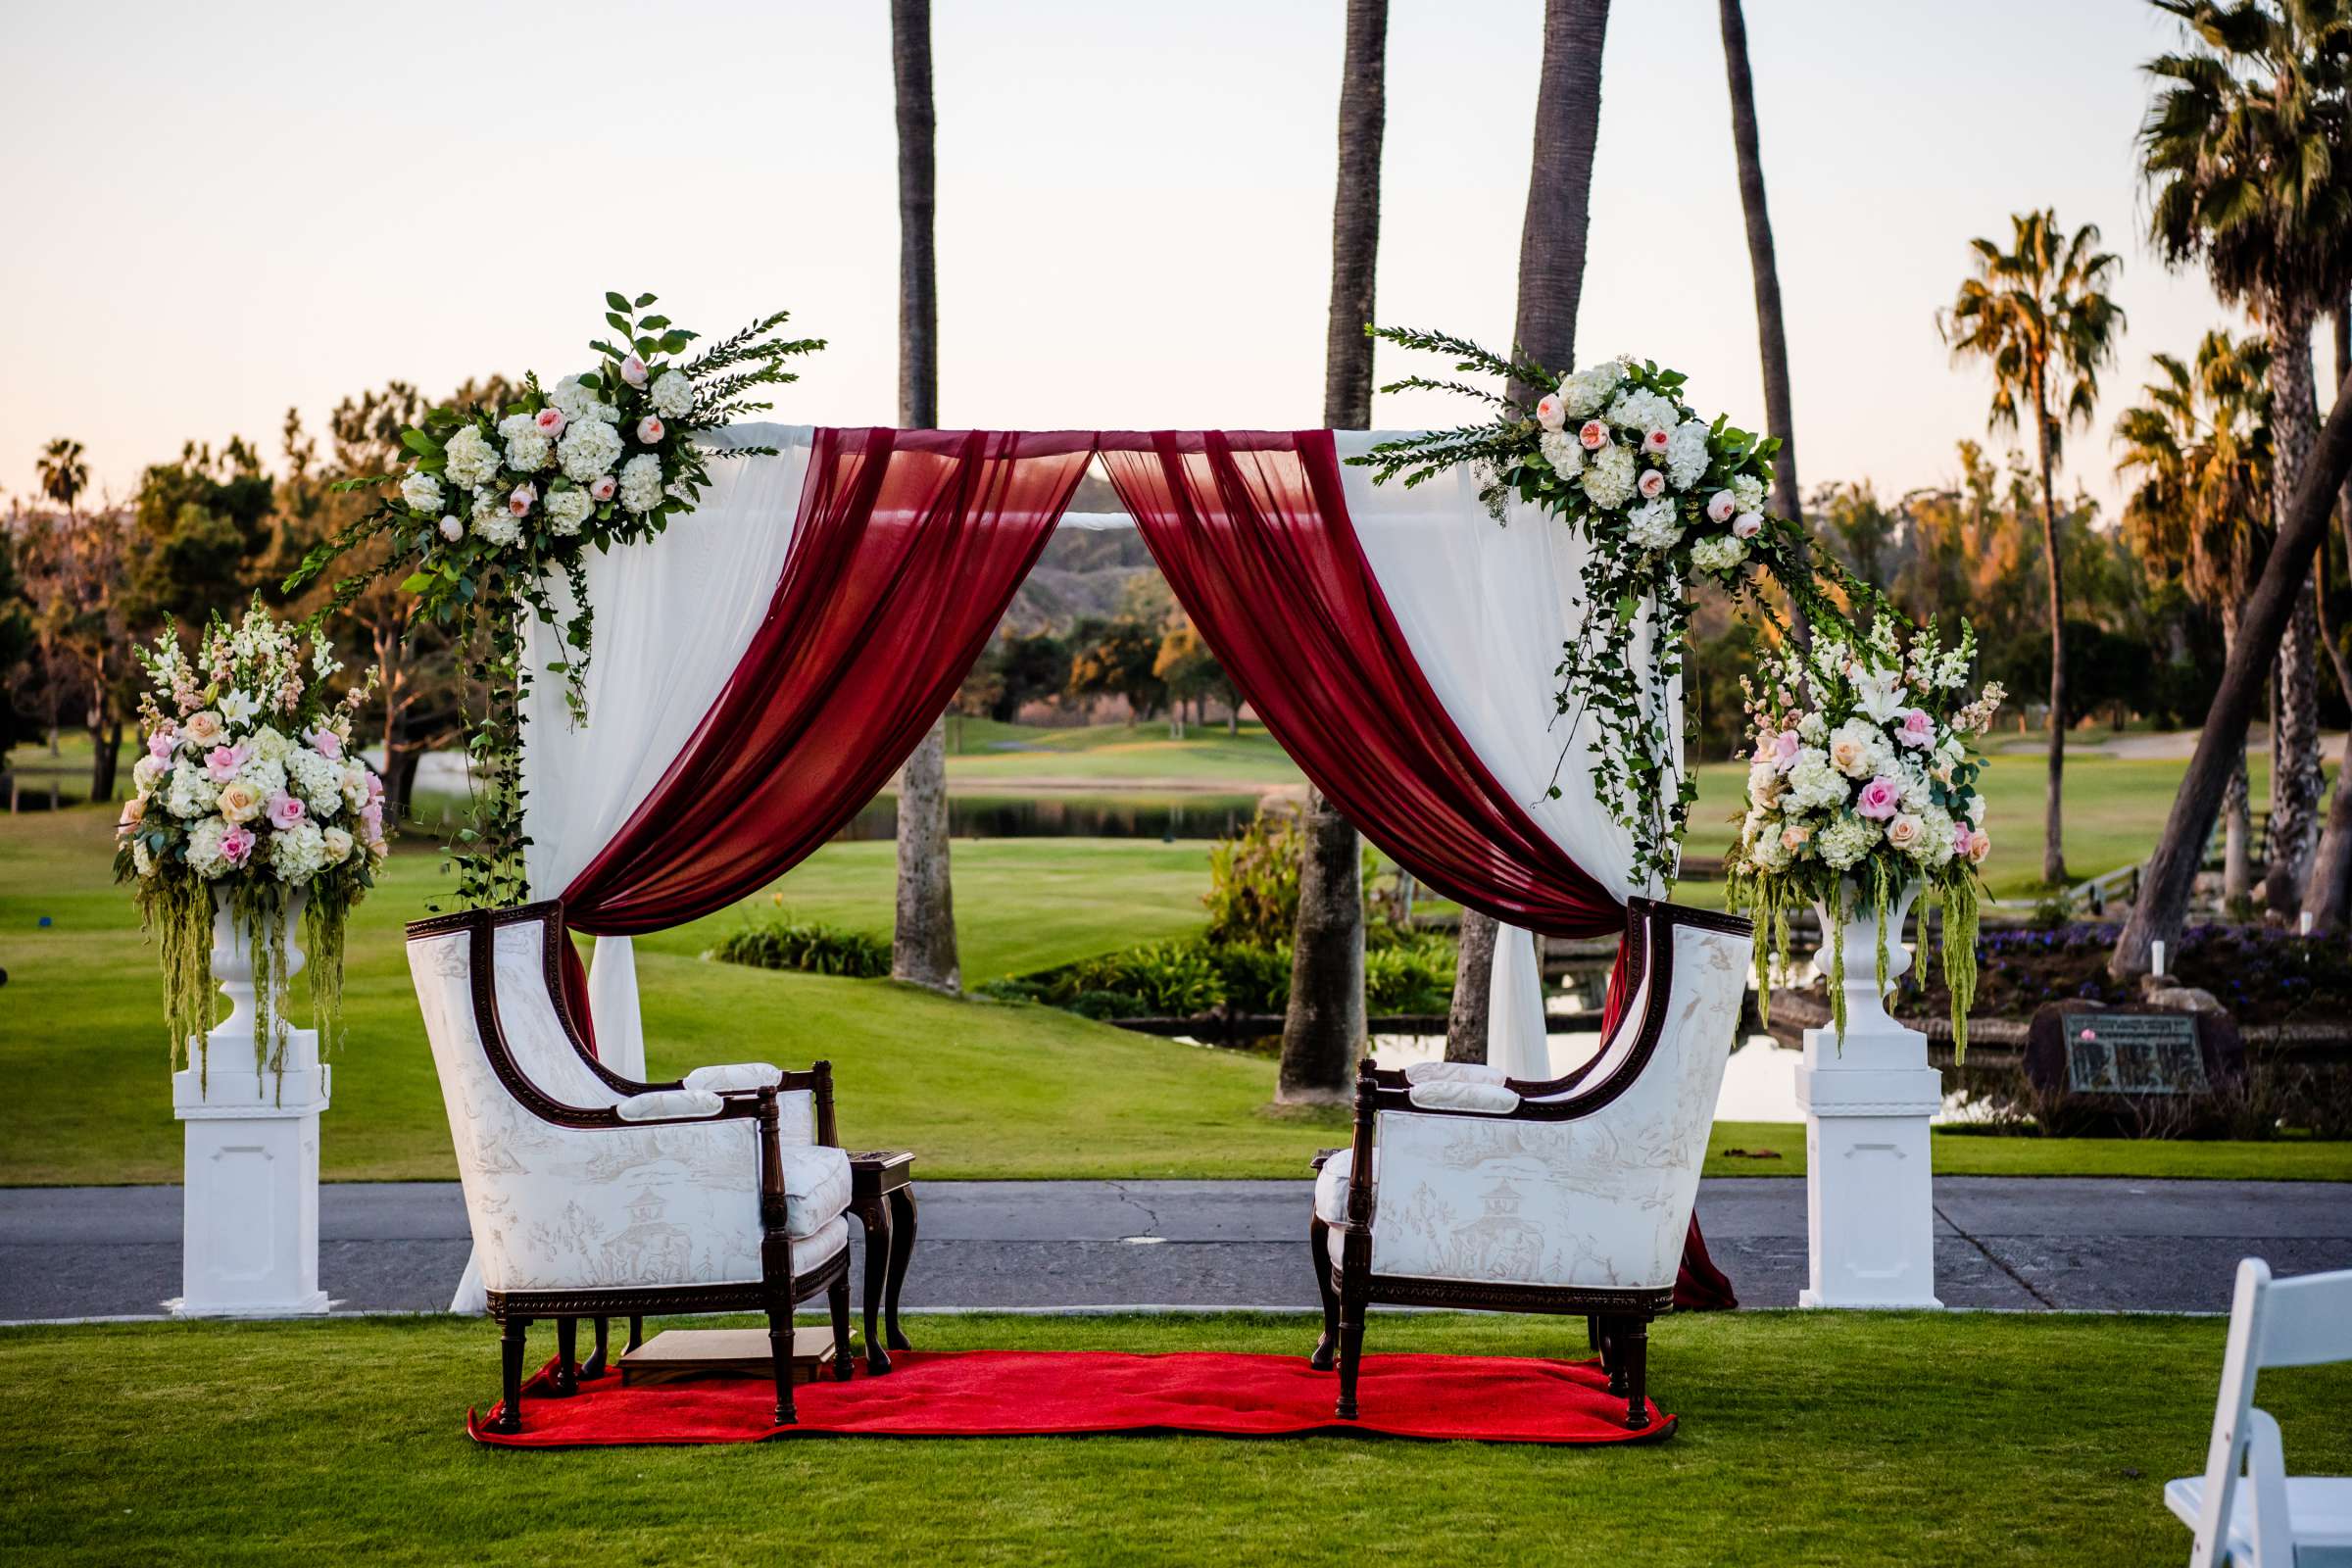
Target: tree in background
x,y
16,644
924,941
1323,1031
2247,152
2199,445
73,566
64,474
1771,332
1552,283
1118,657
2327,896
2039,316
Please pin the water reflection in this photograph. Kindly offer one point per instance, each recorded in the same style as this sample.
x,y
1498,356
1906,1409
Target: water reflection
x,y
1055,816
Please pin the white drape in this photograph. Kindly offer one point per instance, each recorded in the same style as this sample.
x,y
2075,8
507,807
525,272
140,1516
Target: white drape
x,y
673,617
1486,607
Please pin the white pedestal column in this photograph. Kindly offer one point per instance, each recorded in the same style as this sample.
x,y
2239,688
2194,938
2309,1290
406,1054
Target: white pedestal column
x,y
1869,1204
250,1214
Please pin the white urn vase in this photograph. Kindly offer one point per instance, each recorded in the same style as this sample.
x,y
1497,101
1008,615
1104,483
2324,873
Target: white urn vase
x,y
1868,1096
249,1109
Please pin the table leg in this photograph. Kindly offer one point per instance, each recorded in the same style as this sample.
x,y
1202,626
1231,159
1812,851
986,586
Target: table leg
x,y
875,1216
901,1248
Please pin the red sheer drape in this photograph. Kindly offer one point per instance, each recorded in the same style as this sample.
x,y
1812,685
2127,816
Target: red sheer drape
x,y
908,547
1254,538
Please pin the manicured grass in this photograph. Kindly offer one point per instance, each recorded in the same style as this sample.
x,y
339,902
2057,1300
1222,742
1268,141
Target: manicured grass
x,y
1957,1153
1826,1438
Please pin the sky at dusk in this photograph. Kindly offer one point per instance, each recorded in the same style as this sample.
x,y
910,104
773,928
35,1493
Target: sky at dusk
x,y
221,211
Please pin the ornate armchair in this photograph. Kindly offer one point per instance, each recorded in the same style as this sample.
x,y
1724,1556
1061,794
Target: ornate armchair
x,y
1467,1189
594,1197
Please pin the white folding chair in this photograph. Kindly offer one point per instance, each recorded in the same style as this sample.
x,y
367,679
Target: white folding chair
x,y
2264,1518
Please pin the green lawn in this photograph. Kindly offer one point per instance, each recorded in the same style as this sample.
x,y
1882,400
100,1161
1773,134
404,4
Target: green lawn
x,y
1829,1439
994,755
981,1089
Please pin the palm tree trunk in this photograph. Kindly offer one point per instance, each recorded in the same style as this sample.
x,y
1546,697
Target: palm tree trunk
x,y
2171,871
2053,809
1323,1029
2327,896
2296,779
924,942
1552,283
1772,333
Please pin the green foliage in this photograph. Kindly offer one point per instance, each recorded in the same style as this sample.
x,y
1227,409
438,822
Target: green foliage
x,y
810,947
1411,977
1253,893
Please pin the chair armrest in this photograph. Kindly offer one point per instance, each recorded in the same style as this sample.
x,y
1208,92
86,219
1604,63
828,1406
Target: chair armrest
x,y
670,1105
733,1078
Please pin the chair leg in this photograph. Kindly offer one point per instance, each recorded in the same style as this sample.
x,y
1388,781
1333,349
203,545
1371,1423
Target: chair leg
x,y
779,1349
567,1359
636,1332
509,1345
1318,1246
1634,1353
594,1366
1352,1350
845,1365
1612,1354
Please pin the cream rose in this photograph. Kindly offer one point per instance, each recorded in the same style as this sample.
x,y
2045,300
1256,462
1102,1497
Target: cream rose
x,y
240,802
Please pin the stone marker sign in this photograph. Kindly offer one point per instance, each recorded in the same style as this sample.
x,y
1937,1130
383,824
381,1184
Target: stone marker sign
x,y
2114,1053
2131,1068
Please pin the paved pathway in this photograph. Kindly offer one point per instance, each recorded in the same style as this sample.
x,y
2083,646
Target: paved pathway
x,y
86,1252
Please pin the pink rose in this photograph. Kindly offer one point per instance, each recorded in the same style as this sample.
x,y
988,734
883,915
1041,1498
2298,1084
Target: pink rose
x,y
1747,526
375,787
161,745
519,501
632,370
134,811
1593,436
1550,413
236,843
326,743
221,762
1880,799
1979,845
1783,748
285,810
1721,504
371,819
452,529
1655,441
603,487
1915,728
650,430
549,422
1652,484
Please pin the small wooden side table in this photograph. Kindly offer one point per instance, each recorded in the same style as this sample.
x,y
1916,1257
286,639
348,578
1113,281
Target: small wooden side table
x,y
882,1197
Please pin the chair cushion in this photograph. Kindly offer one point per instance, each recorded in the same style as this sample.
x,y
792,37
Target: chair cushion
x,y
1461,1094
1459,1072
1331,1186
733,1076
662,1105
2319,1510
816,1189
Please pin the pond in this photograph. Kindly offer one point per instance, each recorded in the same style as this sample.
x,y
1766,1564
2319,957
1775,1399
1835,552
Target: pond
x,y
1061,816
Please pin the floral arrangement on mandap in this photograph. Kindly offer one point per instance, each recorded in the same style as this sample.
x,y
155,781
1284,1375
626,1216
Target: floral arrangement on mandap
x,y
1862,784
1664,499
248,798
501,502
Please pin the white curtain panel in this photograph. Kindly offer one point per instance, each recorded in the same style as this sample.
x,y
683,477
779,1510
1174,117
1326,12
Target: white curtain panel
x,y
1486,607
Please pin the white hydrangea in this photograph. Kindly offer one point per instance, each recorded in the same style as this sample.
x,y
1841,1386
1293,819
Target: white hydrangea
x,y
204,849
580,405
265,774
1813,729
567,510
1686,453
673,394
514,426
1719,553
1583,393
1642,409
193,794
1941,841
1813,784
641,482
589,449
1653,525
529,452
1749,491
270,743
141,860
1562,451
1847,840
471,458
316,780
1771,852
354,781
497,528
1608,477
421,491
299,853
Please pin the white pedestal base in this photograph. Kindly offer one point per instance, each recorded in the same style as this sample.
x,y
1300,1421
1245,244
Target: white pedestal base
x,y
250,1216
1870,1216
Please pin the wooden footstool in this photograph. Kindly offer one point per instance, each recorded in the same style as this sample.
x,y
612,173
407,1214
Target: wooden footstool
x,y
882,1197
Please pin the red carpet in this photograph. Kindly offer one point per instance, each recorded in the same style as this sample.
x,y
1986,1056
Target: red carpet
x,y
1003,1393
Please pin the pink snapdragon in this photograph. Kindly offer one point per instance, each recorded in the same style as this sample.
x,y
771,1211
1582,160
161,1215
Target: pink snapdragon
x,y
222,763
1880,799
1914,727
236,843
285,812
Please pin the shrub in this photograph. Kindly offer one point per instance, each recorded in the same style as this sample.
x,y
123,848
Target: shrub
x,y
1252,893
1258,979
1410,976
1165,979
809,946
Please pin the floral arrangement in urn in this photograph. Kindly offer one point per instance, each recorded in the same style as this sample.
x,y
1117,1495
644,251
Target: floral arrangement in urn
x,y
1863,788
1664,499
501,502
249,804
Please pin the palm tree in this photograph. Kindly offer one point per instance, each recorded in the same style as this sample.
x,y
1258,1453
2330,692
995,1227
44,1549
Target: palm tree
x,y
2201,446
1772,334
2247,152
922,946
64,476
2327,895
1323,1028
2040,316
1552,283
